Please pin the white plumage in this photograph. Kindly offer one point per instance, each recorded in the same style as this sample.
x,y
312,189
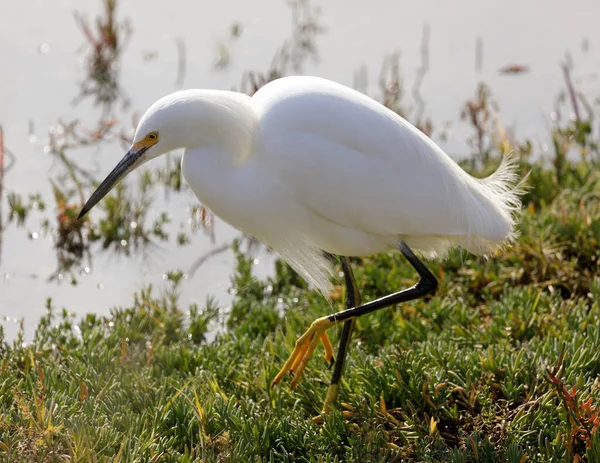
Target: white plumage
x,y
307,165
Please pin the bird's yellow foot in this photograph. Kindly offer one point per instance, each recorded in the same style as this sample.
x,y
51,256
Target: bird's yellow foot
x,y
304,348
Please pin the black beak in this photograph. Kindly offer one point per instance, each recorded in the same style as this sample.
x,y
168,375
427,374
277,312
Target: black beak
x,y
126,165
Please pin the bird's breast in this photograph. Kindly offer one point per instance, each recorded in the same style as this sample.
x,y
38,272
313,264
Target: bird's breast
x,y
242,196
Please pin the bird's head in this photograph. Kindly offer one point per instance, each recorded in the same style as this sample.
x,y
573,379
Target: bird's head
x,y
185,119
151,139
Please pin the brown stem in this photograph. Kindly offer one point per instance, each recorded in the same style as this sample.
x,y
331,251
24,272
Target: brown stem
x,y
567,73
421,74
1,186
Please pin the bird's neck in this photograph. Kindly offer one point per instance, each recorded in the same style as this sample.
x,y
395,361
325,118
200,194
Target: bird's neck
x,y
218,122
218,135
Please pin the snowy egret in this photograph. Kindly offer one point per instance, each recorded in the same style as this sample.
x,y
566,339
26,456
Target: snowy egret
x,y
309,167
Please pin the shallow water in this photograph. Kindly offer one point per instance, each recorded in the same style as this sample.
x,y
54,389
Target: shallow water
x,y
42,67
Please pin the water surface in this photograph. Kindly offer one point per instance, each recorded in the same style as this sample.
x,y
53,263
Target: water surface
x,y
40,46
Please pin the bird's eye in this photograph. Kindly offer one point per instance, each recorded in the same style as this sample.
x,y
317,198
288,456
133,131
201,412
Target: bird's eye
x,y
153,136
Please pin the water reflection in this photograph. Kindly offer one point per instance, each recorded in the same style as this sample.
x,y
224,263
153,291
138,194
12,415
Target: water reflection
x,y
295,52
123,229
104,45
130,224
16,210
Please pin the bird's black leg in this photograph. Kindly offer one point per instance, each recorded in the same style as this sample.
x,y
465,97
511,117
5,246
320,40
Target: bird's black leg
x,y
353,299
307,343
425,286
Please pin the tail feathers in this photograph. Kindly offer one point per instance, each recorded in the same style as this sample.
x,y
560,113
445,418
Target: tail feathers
x,y
498,199
487,214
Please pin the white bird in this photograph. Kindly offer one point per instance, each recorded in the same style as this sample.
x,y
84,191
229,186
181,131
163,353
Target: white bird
x,y
309,166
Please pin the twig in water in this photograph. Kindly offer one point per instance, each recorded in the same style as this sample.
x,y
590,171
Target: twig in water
x,y
567,73
420,75
390,83
4,154
1,186
104,43
513,69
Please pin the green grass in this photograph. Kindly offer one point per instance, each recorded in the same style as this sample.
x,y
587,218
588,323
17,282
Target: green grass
x,y
501,366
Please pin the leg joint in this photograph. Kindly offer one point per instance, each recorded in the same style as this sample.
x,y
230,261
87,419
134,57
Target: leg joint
x,y
428,285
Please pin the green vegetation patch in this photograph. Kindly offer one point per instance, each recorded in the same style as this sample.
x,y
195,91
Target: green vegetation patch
x,y
501,365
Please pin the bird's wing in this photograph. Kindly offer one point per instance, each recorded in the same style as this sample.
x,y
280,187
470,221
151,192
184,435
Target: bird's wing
x,y
348,160
356,163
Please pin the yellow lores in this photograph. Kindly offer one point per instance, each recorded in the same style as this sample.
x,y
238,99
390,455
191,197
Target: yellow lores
x,y
148,141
